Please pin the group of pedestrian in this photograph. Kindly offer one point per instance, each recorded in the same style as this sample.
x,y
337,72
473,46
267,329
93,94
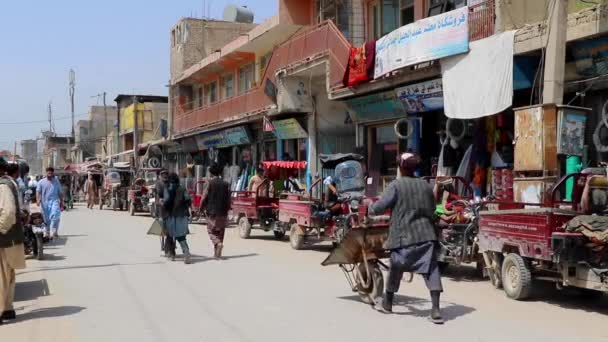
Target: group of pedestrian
x,y
174,209
13,216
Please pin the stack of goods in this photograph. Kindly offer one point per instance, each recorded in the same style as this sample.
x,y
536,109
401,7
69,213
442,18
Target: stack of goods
x,y
502,184
595,229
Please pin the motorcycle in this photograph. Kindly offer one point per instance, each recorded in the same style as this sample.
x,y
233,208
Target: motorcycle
x,y
34,230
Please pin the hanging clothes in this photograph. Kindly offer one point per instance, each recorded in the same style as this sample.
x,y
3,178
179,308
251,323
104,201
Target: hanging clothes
x,y
361,64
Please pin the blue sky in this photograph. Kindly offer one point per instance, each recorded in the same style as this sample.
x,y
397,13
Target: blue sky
x,y
114,46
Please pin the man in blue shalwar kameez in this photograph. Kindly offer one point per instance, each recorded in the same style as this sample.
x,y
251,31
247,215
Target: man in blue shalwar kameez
x,y
50,199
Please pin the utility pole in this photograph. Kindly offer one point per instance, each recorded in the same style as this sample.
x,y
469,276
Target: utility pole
x,y
105,119
15,152
72,90
135,132
50,111
555,54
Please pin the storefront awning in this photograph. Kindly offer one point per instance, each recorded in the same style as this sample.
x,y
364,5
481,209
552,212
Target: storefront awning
x,y
285,164
480,83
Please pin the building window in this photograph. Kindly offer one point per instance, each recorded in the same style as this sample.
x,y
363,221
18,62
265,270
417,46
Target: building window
x,y
246,78
385,16
441,6
406,12
197,94
338,11
227,82
211,93
390,16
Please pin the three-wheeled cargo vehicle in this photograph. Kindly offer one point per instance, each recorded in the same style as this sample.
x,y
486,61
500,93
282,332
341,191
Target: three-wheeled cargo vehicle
x,y
555,241
140,194
116,183
259,209
309,218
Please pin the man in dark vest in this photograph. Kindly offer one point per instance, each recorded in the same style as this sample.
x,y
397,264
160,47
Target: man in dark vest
x,y
216,202
12,255
412,239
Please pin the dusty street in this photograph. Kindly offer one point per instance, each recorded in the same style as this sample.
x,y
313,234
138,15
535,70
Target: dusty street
x,y
105,281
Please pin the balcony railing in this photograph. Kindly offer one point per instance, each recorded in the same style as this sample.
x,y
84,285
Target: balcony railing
x,y
322,39
481,20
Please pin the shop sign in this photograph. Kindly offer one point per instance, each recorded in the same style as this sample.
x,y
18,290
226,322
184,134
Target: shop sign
x,y
224,138
571,132
425,40
422,97
289,129
375,107
590,57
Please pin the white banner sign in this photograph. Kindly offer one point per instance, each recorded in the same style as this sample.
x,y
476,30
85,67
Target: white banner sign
x,y
425,40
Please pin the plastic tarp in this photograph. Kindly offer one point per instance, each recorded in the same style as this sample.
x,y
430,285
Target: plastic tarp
x,y
479,83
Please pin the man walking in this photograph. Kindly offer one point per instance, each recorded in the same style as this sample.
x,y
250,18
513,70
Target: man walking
x,y
50,198
412,239
12,255
91,191
166,245
216,202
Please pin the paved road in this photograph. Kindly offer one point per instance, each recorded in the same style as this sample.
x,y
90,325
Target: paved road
x,y
105,281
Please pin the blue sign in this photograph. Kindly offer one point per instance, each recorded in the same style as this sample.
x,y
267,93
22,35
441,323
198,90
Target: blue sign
x,y
422,97
224,138
375,107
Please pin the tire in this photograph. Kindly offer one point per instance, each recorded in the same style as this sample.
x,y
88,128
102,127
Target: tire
x,y
456,135
516,277
279,234
244,227
296,240
39,247
369,294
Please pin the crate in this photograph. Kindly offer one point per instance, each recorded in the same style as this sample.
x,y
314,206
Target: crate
x,y
536,139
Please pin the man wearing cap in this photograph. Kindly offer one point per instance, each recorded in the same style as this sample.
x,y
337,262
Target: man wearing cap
x,y
412,239
11,242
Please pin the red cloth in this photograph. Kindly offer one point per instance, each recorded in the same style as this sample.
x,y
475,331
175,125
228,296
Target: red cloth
x,y
285,164
361,64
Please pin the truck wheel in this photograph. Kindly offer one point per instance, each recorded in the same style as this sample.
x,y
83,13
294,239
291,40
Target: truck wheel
x,y
244,227
296,240
368,294
516,277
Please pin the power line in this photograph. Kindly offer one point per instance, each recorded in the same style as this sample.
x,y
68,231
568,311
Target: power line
x,y
42,121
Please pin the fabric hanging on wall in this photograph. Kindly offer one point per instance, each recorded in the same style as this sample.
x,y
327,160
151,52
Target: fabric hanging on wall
x,y
361,64
479,83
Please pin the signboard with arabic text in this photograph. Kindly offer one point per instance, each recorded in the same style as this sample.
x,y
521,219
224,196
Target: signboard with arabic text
x,y
289,129
224,138
422,97
425,40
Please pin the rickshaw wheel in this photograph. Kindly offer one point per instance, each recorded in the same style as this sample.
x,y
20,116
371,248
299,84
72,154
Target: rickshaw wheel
x,y
244,227
368,294
296,240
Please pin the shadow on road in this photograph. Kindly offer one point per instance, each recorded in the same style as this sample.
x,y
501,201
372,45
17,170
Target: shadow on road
x,y
58,311
31,290
419,307
462,273
61,268
571,298
52,257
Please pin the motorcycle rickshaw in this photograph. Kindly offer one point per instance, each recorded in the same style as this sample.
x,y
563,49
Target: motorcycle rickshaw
x,y
259,209
115,185
139,194
308,217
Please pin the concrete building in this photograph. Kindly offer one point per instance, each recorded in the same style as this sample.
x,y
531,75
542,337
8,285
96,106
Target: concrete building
x,y
57,151
152,112
92,135
29,151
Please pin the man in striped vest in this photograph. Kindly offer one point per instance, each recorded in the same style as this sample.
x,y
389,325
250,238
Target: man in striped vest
x,y
412,239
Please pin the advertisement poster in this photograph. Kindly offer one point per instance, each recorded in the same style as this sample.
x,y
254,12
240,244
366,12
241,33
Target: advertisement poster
x,y
379,106
425,40
422,97
571,135
225,138
289,129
